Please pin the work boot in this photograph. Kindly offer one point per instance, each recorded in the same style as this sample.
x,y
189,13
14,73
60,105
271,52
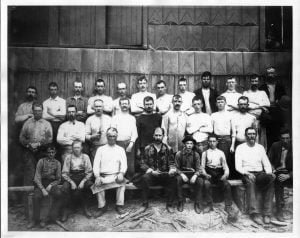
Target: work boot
x,y
64,216
145,205
170,208
100,211
267,219
180,206
279,216
232,214
86,211
198,208
208,209
119,209
256,218
31,224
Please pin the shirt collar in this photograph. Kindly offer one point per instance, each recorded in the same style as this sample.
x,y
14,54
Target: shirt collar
x,y
54,99
185,152
234,91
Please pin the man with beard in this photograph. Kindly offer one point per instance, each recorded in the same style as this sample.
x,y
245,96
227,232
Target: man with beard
x,y
207,94
24,111
99,94
127,132
95,128
35,134
70,131
187,97
281,158
137,99
252,162
164,100
258,103
79,101
122,92
157,168
146,123
174,123
54,109
231,94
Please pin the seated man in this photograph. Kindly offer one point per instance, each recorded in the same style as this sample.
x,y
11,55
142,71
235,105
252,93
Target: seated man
x,y
77,173
109,168
157,168
281,158
215,171
187,163
252,162
47,177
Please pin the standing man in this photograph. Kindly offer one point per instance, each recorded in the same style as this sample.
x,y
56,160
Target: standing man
x,y
252,162
79,101
164,100
231,94
77,173
215,171
99,94
54,109
199,125
35,134
122,92
137,99
281,158
70,131
174,123
186,96
47,177
146,123
222,128
96,127
127,132
157,168
109,169
207,94
187,162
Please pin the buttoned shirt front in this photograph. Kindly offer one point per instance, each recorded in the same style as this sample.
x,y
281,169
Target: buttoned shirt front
x,y
241,121
221,122
214,158
164,103
107,103
57,105
68,131
174,123
205,92
185,160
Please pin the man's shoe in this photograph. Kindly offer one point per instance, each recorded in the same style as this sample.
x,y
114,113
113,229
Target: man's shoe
x,y
198,208
119,209
232,214
100,212
64,216
43,224
267,219
180,206
170,208
280,217
145,205
256,218
208,209
86,211
31,225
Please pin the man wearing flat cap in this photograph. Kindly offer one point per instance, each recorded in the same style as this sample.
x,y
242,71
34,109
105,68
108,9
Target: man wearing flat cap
x,y
187,162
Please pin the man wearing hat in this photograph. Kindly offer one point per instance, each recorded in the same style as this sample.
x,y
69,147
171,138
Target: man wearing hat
x,y
187,162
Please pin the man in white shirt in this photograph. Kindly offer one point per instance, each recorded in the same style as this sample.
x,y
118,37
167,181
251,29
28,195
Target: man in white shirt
x,y
122,92
127,132
70,131
99,94
258,102
199,125
231,94
186,96
164,100
109,169
174,123
54,109
252,162
95,128
137,99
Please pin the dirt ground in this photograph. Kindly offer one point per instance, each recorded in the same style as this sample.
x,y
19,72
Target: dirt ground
x,y
215,221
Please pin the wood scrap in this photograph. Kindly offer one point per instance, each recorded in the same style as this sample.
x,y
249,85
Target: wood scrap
x,y
141,210
134,225
235,225
149,219
278,223
254,225
61,225
122,216
175,227
142,215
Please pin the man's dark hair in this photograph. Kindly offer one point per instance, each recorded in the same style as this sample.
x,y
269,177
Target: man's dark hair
x,y
196,98
78,81
140,78
52,84
284,131
230,77
212,135
32,87
254,76
99,81
72,106
176,96
206,74
124,99
243,98
161,81
162,130
50,146
148,98
250,128
37,104
182,80
221,98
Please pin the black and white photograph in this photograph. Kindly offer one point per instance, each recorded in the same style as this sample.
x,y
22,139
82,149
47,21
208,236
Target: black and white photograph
x,y
149,118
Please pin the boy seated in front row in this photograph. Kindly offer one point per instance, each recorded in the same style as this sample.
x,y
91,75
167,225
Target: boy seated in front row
x,y
215,171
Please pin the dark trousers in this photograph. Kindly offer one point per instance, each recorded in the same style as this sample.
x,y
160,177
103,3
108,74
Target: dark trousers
x,y
263,183
215,179
81,194
224,143
130,158
169,182
279,192
30,161
197,186
55,125
56,196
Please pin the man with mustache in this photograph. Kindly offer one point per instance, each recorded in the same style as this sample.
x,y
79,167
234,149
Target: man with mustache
x,y
122,92
252,162
231,94
70,131
79,101
164,100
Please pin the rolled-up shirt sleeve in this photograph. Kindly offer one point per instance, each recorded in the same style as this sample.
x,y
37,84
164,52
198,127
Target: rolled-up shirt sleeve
x,y
123,161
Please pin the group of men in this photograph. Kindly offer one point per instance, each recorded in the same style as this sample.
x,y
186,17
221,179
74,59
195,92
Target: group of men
x,y
199,137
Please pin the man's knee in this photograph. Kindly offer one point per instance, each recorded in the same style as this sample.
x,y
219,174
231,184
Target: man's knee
x,y
207,184
37,195
56,192
66,187
179,180
199,182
